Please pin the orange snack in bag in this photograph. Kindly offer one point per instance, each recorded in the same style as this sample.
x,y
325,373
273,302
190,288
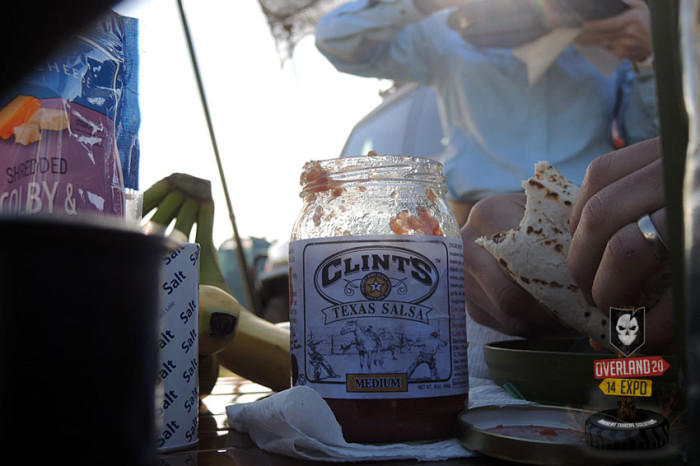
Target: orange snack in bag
x,y
17,112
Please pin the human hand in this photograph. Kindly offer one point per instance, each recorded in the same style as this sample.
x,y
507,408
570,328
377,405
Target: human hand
x,y
608,256
627,35
493,298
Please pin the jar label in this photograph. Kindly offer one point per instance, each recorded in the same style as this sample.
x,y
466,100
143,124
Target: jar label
x,y
379,316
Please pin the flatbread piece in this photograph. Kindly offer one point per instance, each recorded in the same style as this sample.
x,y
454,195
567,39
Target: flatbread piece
x,y
534,254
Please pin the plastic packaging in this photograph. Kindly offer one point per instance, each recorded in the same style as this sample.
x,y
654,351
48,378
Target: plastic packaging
x,y
69,130
377,315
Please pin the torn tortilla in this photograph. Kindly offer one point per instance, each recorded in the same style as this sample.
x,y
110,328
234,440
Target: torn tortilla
x,y
534,254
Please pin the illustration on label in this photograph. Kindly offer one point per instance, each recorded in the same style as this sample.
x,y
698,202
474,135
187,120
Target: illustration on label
x,y
371,318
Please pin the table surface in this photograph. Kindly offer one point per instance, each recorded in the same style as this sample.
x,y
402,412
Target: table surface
x,y
221,446
218,445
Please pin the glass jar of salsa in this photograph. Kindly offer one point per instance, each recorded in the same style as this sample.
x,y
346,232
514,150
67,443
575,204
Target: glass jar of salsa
x,y
377,312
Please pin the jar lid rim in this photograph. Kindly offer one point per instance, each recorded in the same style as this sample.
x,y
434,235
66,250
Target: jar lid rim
x,y
398,168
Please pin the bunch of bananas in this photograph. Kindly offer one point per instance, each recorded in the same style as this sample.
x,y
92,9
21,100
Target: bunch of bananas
x,y
229,334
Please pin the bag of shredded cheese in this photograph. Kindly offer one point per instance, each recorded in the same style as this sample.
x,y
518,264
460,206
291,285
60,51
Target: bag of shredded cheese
x,y
69,130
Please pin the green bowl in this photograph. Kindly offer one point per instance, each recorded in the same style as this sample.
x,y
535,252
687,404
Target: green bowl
x,y
558,372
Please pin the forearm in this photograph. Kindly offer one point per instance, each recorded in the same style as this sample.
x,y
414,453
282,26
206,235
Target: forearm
x,y
352,32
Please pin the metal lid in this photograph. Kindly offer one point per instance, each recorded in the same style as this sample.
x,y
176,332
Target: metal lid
x,y
541,434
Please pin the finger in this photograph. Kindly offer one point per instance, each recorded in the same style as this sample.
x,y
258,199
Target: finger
x,y
620,47
478,263
632,42
478,306
506,307
493,298
638,12
596,345
608,26
609,210
627,43
496,213
490,216
485,285
626,265
593,38
627,35
609,168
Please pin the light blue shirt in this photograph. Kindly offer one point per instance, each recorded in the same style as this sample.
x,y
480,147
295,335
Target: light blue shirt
x,y
497,124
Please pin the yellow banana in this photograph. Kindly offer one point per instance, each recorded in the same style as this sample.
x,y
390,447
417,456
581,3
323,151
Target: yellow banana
x,y
186,216
155,194
209,265
259,352
167,208
218,317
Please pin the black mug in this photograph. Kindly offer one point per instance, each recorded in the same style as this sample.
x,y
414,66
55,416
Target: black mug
x,y
78,325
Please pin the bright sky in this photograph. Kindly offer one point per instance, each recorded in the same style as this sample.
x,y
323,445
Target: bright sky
x,y
268,119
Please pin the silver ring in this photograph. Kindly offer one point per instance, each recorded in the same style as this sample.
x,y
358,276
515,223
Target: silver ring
x,y
651,234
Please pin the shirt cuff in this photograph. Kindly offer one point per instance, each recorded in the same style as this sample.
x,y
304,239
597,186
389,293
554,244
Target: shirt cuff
x,y
645,65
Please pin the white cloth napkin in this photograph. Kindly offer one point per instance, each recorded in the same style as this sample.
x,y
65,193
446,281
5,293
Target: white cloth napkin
x,y
539,54
297,422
